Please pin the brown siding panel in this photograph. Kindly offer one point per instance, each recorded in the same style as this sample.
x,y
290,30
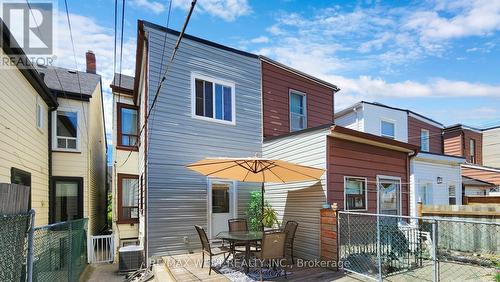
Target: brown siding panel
x,y
276,83
435,138
484,175
347,158
469,134
453,143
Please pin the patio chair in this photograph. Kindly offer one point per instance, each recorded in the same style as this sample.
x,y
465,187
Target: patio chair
x,y
272,248
290,229
237,224
210,251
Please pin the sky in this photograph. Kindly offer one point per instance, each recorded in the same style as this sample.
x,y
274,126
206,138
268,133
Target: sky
x,y
438,58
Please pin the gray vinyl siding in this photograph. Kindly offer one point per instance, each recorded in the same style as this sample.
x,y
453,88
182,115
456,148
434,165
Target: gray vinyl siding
x,y
300,201
177,197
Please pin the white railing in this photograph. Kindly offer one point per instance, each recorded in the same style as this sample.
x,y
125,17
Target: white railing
x,y
101,249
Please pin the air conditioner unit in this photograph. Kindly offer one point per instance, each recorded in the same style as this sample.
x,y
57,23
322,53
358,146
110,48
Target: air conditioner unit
x,y
130,258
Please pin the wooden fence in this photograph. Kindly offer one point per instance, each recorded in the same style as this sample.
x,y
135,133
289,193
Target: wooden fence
x,y
14,198
475,200
470,212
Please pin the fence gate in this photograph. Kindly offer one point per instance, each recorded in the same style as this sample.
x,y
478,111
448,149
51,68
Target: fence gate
x,y
101,249
378,246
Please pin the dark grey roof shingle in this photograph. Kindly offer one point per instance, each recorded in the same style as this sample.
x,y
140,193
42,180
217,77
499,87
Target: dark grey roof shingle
x,y
127,81
55,77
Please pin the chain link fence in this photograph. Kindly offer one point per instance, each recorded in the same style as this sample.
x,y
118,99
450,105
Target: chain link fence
x,y
394,248
14,246
60,251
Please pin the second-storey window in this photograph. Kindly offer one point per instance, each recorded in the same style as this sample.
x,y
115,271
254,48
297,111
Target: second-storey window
x,y
66,129
387,129
214,99
127,125
355,193
298,112
424,140
472,149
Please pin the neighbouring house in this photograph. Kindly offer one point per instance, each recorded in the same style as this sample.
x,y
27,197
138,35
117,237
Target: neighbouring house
x,y
53,137
434,176
468,142
476,187
126,201
25,102
298,127
491,146
208,106
78,149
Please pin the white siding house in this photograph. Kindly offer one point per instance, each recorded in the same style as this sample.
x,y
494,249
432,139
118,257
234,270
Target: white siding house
x,y
435,180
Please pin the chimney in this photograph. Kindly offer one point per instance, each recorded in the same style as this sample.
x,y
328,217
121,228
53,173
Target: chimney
x,y
90,56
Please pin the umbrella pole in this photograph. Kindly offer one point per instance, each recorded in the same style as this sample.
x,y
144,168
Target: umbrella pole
x,y
262,206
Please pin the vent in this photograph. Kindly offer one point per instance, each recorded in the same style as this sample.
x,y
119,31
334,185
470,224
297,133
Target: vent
x,y
130,258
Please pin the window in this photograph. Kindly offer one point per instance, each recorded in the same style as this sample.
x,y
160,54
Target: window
x,y
389,195
220,198
451,192
355,193
66,130
40,114
387,129
424,192
127,125
128,198
213,99
424,140
21,177
298,111
472,150
67,198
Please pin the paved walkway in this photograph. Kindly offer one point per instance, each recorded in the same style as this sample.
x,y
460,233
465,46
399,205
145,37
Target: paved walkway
x,y
103,272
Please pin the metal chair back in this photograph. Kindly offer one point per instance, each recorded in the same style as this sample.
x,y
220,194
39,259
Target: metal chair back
x,y
290,229
273,245
237,224
205,243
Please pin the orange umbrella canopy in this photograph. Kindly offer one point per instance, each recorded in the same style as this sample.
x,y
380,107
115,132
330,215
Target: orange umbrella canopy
x,y
256,170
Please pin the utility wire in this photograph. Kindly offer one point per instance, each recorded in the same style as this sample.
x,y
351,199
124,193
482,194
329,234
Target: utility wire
x,y
121,48
157,92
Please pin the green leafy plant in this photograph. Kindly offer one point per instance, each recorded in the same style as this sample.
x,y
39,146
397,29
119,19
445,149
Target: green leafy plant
x,y
254,213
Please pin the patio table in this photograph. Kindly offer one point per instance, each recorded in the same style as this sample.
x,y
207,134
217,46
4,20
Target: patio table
x,y
247,237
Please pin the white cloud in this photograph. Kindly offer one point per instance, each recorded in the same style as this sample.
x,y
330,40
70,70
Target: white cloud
x,y
227,10
472,18
260,39
153,6
89,35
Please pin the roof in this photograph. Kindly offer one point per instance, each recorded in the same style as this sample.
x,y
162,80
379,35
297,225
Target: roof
x,y
475,182
409,112
460,126
374,138
126,84
198,39
481,167
290,69
64,82
11,48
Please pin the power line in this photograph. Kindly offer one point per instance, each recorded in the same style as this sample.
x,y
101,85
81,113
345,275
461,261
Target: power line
x,y
121,47
157,92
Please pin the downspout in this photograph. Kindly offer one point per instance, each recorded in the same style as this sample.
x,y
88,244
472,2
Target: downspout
x,y
49,129
408,159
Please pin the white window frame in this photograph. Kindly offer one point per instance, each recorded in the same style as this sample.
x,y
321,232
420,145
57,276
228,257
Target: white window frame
x,y
450,183
427,141
393,122
428,193
472,153
39,114
387,177
366,193
194,76
304,96
54,130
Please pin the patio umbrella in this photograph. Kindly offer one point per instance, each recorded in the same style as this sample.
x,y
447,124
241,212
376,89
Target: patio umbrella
x,y
256,170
